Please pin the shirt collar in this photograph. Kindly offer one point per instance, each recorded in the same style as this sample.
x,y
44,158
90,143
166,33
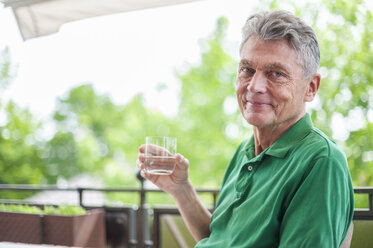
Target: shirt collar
x,y
283,144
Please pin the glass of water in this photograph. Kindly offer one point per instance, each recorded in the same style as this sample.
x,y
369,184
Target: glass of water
x,y
160,155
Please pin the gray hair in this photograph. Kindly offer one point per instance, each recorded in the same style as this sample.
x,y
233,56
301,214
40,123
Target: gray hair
x,y
284,25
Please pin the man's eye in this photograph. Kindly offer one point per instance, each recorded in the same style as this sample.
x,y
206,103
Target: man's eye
x,y
277,74
248,70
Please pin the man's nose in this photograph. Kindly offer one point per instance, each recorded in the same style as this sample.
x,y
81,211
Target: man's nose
x,y
258,83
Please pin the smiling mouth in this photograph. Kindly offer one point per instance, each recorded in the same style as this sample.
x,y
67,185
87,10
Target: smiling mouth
x,y
257,104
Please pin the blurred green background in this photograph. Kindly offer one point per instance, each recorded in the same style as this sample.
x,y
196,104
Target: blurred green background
x,y
96,136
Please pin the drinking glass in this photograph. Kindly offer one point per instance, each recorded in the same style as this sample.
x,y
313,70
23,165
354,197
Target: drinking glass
x,y
160,155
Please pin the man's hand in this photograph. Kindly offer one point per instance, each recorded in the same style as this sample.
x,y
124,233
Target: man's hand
x,y
171,184
178,185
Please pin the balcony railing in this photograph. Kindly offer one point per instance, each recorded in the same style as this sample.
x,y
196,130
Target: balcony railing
x,y
130,225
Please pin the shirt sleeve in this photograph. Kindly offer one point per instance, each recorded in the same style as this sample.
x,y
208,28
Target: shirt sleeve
x,y
321,210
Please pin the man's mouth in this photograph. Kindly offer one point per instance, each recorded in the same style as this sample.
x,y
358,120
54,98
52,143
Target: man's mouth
x,y
257,104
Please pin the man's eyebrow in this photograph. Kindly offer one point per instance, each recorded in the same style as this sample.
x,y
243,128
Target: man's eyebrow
x,y
245,62
277,66
272,66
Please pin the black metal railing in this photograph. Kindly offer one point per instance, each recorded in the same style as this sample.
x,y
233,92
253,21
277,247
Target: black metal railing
x,y
364,213
129,225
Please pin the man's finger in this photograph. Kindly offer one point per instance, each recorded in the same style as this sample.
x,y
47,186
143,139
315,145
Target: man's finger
x,y
142,148
141,157
181,161
139,164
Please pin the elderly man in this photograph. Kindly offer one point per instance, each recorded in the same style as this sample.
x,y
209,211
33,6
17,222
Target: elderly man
x,y
288,185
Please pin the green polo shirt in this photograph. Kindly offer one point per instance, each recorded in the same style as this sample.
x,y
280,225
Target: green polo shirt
x,y
296,193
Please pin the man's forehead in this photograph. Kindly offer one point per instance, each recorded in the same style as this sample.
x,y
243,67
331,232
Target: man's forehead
x,y
269,53
254,40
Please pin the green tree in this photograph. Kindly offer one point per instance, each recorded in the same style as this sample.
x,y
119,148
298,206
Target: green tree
x,y
20,153
209,123
98,136
21,160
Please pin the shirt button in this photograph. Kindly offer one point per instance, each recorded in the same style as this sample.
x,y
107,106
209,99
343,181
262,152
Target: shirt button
x,y
250,168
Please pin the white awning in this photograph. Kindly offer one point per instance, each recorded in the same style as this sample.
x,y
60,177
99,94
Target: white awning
x,y
42,17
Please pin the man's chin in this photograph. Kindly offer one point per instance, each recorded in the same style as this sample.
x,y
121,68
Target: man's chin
x,y
257,121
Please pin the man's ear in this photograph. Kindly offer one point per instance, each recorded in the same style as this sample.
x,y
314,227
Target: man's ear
x,y
313,84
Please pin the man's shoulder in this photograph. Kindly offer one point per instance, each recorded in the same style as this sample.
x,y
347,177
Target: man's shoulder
x,y
318,149
320,145
317,153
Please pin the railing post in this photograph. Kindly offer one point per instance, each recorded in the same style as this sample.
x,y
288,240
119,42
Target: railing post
x,y
132,225
42,229
214,204
143,230
80,195
156,229
148,243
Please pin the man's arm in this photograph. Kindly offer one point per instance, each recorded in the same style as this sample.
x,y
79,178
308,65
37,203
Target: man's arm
x,y
321,210
195,215
178,185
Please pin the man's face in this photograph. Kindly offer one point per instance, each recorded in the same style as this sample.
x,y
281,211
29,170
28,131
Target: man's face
x,y
270,87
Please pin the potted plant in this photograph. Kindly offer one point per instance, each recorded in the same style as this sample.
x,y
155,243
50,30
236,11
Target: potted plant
x,y
63,225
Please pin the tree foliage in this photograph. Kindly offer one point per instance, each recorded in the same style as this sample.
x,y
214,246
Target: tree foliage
x,y
101,136
21,159
210,126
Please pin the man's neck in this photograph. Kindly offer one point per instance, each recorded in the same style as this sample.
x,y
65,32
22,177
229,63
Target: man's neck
x,y
264,139
265,136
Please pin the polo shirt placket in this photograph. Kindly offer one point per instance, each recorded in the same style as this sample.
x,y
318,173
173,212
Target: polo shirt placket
x,y
247,172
